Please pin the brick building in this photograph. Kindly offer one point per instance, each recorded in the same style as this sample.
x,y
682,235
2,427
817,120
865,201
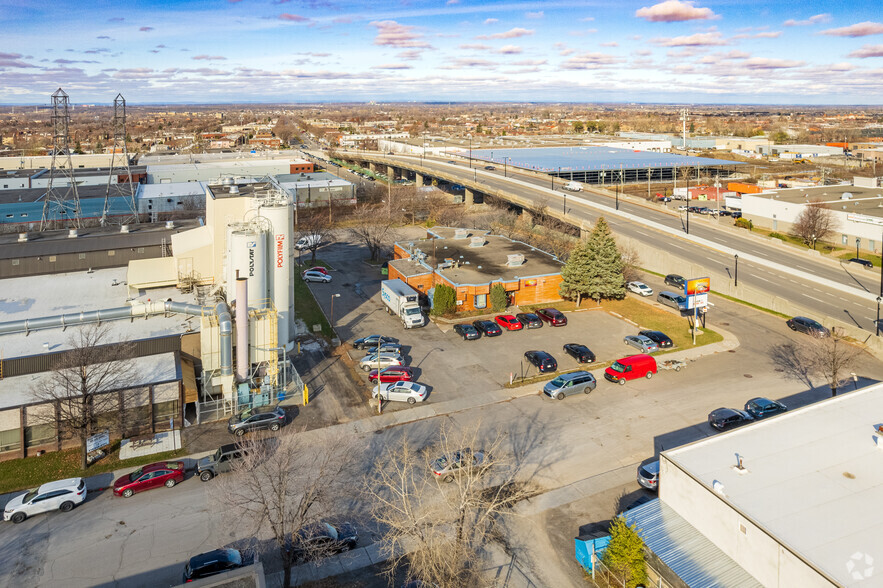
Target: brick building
x,y
471,261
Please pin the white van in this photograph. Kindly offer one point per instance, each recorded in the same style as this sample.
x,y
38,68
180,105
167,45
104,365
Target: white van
x,y
573,186
308,241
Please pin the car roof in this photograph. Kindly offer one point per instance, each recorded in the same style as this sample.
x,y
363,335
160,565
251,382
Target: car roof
x,y
646,331
722,412
160,465
60,484
215,555
580,345
574,375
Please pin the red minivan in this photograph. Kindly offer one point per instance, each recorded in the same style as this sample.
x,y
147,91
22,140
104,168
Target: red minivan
x,y
631,368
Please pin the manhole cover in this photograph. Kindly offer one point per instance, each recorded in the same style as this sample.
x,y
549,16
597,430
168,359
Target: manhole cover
x,y
748,375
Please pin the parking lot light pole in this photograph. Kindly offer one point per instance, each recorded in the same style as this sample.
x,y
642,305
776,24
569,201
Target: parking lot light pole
x,y
857,242
331,317
877,322
736,278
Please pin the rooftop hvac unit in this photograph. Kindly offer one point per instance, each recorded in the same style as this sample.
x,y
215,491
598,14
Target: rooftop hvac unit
x,y
515,260
228,181
234,189
461,233
477,242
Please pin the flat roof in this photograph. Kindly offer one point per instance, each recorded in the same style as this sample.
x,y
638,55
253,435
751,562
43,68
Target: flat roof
x,y
479,265
814,477
312,179
40,296
592,158
37,194
861,200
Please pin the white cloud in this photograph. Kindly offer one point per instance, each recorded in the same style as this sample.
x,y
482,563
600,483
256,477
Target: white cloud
x,y
675,11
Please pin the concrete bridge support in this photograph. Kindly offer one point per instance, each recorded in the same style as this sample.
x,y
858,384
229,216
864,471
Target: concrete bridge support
x,y
419,180
391,172
470,198
372,166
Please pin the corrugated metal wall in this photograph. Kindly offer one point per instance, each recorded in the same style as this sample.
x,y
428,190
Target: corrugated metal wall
x,y
72,262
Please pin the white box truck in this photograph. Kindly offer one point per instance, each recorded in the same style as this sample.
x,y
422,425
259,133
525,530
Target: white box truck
x,y
403,301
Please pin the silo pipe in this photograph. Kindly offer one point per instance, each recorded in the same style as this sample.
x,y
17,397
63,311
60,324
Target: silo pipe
x,y
225,323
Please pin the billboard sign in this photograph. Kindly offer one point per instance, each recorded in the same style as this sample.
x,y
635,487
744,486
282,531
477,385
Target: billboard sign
x,y
97,441
696,290
697,301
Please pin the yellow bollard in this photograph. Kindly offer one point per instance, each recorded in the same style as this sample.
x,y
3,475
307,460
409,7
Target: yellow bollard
x,y
306,395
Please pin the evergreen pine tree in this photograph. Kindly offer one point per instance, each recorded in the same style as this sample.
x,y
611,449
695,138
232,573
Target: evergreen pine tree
x,y
499,300
624,555
575,273
444,301
605,269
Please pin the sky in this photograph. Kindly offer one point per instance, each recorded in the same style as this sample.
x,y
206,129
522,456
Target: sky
x,y
272,51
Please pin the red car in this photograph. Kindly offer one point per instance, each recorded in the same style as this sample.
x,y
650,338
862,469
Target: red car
x,y
319,269
507,321
164,473
393,373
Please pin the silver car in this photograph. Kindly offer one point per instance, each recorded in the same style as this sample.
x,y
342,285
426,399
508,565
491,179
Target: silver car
x,y
376,361
645,344
648,475
448,466
386,347
314,276
409,392
640,288
570,383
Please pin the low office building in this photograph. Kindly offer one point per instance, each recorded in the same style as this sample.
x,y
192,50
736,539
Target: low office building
x,y
473,261
785,502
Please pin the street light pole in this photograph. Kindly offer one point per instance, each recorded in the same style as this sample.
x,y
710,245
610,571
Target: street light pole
x,y
331,318
877,322
857,242
565,203
736,280
505,161
470,151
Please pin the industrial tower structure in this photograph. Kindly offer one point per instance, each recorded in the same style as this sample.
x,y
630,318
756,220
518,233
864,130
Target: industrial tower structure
x,y
119,161
61,198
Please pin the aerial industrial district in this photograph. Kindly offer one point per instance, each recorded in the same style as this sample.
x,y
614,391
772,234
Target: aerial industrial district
x,y
405,345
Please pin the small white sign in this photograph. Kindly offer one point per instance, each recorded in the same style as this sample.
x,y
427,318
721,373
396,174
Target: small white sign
x,y
697,300
97,441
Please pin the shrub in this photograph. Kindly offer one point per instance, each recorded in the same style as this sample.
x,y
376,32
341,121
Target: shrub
x,y
499,300
744,223
444,301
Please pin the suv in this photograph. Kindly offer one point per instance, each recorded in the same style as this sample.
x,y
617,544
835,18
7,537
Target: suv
x,y
676,301
552,316
675,280
567,384
219,462
61,495
542,360
648,475
214,562
255,419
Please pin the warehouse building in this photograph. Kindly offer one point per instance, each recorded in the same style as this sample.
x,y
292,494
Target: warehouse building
x,y
788,501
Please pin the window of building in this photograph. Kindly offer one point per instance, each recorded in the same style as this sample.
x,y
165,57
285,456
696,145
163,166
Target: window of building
x,y
39,434
111,253
52,259
141,250
16,261
480,301
163,411
10,440
845,240
81,256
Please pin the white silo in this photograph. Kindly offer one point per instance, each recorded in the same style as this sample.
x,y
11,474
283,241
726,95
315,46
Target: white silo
x,y
247,252
281,269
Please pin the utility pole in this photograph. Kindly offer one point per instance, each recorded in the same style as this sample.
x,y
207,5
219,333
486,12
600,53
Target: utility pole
x,y
684,120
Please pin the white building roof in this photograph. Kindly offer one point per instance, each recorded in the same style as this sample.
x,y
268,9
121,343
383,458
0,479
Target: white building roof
x,y
814,478
170,190
49,295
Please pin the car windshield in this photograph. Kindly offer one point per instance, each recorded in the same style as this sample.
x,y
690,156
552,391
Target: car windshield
x,y
617,367
29,496
558,382
136,474
412,311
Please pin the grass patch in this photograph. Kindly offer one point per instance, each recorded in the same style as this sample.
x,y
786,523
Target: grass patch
x,y
305,305
30,472
849,254
656,319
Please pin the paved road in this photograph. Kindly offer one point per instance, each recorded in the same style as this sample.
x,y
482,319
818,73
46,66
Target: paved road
x,y
850,302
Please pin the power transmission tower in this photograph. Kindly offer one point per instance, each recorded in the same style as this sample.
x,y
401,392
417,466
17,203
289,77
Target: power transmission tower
x,y
119,161
62,200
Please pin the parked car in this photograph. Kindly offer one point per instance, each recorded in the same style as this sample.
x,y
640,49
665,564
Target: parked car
x,y
61,495
661,339
808,326
154,475
863,262
314,276
221,461
322,539
648,475
727,418
761,408
394,373
387,347
508,322
488,328
409,392
581,353
256,419
448,466
529,320
212,563
372,340
631,368
317,268
542,360
642,343
640,288
672,299
467,331
375,361
552,316
675,280
570,383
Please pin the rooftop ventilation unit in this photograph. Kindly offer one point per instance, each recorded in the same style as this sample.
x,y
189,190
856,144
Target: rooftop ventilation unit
x,y
461,234
515,260
22,237
170,224
234,189
72,234
124,228
228,181
477,242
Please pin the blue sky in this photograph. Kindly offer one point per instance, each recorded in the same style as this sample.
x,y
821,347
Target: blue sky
x,y
732,51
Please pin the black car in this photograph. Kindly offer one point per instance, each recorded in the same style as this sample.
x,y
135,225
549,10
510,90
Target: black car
x,y
675,280
542,360
760,408
322,539
529,320
371,341
662,340
863,262
256,419
467,331
581,353
552,316
808,326
488,328
214,562
489,167
726,418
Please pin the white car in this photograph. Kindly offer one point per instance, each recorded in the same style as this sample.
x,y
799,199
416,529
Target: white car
x,y
373,362
314,276
61,495
409,392
640,288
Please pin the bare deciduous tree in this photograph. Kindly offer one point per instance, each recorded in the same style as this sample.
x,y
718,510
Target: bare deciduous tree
x,y
283,486
314,222
87,384
441,525
630,263
373,228
814,223
832,357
